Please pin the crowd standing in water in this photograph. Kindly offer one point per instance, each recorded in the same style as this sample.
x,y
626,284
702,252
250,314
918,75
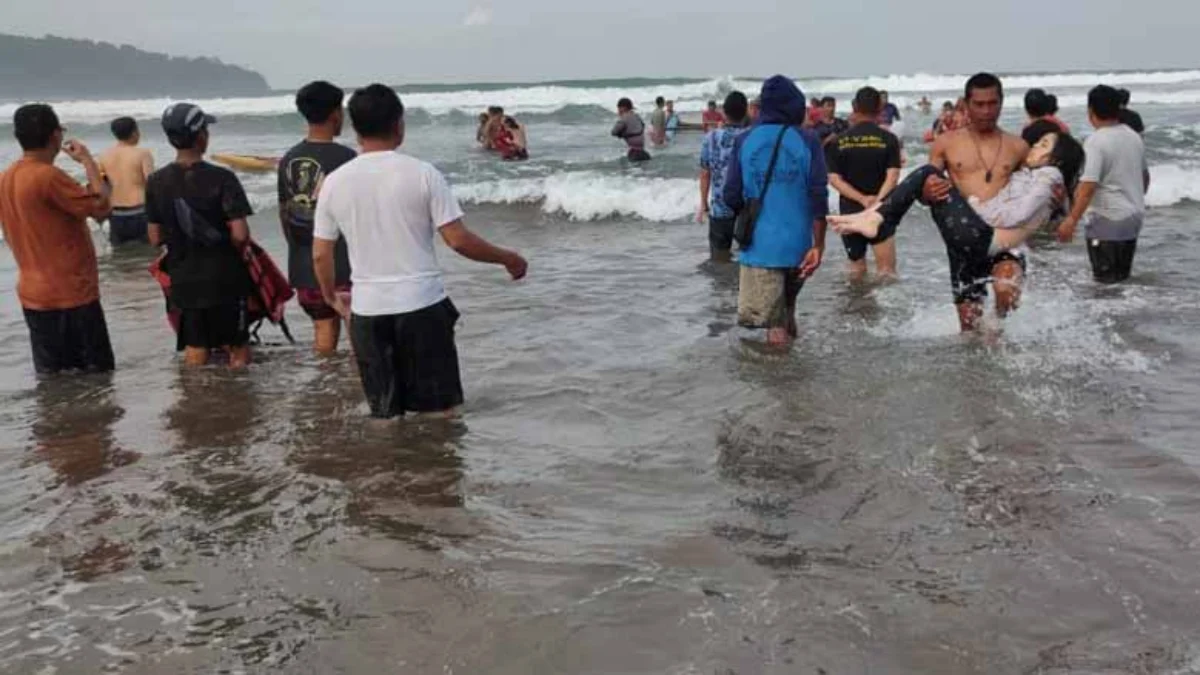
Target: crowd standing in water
x,y
987,190
360,226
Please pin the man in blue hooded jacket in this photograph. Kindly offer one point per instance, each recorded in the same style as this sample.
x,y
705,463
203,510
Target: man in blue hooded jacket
x,y
789,235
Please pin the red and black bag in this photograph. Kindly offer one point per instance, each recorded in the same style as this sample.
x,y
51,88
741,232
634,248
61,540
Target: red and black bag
x,y
272,291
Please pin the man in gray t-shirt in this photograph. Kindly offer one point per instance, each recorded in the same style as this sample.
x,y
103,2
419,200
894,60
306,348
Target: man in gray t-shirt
x,y
1110,199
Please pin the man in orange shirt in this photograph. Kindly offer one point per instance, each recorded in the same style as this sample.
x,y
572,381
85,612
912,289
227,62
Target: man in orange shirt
x,y
44,213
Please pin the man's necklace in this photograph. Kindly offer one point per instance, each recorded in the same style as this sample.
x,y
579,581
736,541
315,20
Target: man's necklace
x,y
987,177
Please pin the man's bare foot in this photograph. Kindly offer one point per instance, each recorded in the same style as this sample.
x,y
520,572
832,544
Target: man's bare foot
x,y
866,223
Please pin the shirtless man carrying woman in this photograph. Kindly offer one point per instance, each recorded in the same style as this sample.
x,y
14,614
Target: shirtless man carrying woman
x,y
981,161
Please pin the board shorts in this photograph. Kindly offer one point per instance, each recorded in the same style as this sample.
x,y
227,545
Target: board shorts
x,y
312,301
69,339
767,296
638,155
128,225
720,233
225,325
1112,261
408,362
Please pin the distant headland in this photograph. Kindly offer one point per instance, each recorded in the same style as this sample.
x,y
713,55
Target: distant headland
x,y
54,68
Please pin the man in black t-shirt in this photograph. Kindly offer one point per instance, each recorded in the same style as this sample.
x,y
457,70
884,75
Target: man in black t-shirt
x,y
830,125
301,172
864,166
199,210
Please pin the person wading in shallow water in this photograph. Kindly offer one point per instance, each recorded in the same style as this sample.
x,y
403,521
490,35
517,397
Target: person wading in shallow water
x,y
631,129
126,168
301,172
715,155
389,207
980,159
43,213
200,211
864,166
1111,195
789,233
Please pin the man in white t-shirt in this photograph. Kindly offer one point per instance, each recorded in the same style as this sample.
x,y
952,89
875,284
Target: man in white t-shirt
x,y
388,206
1110,199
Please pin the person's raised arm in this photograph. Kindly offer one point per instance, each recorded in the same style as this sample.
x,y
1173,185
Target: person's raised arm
x,y
69,196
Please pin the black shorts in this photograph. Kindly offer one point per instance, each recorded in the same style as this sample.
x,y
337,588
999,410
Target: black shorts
x,y
127,227
69,339
638,155
1112,261
856,244
974,274
720,233
408,362
225,325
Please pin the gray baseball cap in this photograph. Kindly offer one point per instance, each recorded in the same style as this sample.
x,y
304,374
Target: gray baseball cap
x,y
185,119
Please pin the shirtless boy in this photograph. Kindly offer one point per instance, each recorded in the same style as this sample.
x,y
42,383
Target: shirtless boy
x,y
126,167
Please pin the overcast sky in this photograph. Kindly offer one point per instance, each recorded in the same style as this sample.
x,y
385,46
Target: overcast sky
x,y
399,41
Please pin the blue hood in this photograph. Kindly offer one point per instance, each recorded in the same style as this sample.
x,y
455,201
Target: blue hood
x,y
782,102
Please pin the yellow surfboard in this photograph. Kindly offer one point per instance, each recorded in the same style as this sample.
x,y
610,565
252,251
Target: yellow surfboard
x,y
247,162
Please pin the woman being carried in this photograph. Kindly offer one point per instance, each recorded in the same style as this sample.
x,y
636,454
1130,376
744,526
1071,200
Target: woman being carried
x,y
517,141
975,232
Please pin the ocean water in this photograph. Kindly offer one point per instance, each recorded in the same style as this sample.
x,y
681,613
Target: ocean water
x,y
637,486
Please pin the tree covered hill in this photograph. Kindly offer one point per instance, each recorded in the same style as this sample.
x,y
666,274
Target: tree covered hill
x,y
56,68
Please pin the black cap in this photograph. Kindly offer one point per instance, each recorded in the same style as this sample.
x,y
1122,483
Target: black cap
x,y
185,119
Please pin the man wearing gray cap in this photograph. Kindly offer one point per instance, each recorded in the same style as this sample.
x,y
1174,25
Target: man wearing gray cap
x,y
199,210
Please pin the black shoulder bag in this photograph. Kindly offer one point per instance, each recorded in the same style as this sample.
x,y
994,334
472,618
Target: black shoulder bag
x,y
743,226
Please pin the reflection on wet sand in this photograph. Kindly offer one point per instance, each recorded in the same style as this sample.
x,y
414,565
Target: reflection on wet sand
x,y
401,476
73,435
72,430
